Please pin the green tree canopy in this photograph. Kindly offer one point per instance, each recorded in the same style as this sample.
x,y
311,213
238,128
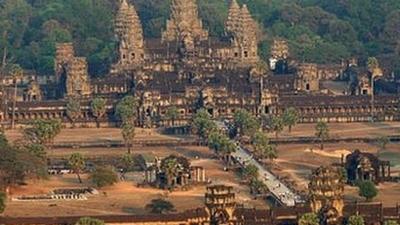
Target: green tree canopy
x,y
356,220
367,189
103,176
126,109
322,132
277,125
245,123
290,118
42,132
202,123
77,163
73,110
98,107
172,114
128,134
262,147
251,172
17,163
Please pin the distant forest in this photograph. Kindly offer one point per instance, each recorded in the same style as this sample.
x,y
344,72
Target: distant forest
x,y
321,31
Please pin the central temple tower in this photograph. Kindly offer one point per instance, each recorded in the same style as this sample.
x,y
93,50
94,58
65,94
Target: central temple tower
x,y
129,33
184,19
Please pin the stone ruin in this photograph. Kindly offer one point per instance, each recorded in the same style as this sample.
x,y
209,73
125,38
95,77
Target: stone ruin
x,y
65,194
326,191
174,172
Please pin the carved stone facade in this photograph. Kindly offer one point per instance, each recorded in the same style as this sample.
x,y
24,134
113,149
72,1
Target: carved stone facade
x,y
184,22
307,77
366,166
71,72
129,33
326,191
218,74
221,204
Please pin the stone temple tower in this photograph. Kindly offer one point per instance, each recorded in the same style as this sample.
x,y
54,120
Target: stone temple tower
x,y
326,191
243,30
129,33
233,22
184,19
221,204
71,72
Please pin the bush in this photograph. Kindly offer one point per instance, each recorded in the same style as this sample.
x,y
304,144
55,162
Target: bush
x,y
3,198
89,221
355,220
160,206
367,190
103,176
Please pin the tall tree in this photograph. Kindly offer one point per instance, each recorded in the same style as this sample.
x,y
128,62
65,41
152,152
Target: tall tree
x,y
126,109
290,118
322,132
160,206
3,199
277,125
356,220
98,107
77,163
18,163
17,73
245,123
309,219
128,134
73,110
251,172
42,132
172,114
202,124
89,221
263,148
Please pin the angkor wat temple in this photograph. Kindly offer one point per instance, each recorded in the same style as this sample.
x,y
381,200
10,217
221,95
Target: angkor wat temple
x,y
188,69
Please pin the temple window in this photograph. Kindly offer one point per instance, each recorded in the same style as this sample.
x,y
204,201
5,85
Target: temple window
x,y
246,54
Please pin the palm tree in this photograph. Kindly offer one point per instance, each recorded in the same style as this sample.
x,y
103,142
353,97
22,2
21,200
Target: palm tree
x,y
263,148
290,118
128,134
322,132
98,107
73,110
77,163
17,73
227,148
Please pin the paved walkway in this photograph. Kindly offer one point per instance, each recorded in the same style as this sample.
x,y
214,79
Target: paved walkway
x,y
281,192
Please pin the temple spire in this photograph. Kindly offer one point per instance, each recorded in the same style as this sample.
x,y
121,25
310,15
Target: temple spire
x,y
233,20
184,18
129,32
